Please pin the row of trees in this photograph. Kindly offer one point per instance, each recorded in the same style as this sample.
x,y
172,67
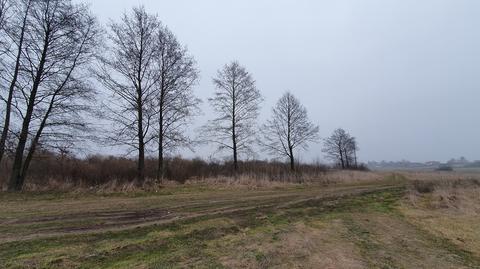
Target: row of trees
x,y
52,57
46,49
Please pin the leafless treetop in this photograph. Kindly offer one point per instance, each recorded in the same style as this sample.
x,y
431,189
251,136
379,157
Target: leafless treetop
x,y
236,102
289,128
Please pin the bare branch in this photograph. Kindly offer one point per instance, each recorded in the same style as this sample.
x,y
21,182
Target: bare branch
x,y
129,71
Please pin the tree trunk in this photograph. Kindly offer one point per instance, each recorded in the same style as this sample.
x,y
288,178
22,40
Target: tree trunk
x,y
342,162
292,161
355,155
35,140
6,125
160,167
289,134
347,161
141,148
235,157
141,135
30,153
16,179
234,135
141,138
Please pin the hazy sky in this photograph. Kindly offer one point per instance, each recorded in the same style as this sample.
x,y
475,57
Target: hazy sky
x,y
403,76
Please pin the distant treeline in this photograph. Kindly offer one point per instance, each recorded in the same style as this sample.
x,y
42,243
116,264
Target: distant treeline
x,y
461,162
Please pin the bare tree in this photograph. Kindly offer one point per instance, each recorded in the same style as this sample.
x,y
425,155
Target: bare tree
x,y
4,5
236,102
341,148
289,129
22,12
60,37
350,152
129,71
176,103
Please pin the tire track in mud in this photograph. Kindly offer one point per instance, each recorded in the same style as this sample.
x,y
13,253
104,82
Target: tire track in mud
x,y
119,220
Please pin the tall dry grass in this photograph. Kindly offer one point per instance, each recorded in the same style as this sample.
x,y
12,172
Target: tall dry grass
x,y
453,193
64,172
440,176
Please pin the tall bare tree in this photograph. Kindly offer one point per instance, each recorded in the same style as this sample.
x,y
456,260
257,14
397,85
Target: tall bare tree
x,y
4,5
289,129
236,102
350,152
341,148
176,103
3,49
129,71
16,34
60,39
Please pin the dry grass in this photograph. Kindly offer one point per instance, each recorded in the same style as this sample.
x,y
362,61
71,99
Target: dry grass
x,y
453,196
350,176
333,177
214,224
241,182
440,176
317,245
448,206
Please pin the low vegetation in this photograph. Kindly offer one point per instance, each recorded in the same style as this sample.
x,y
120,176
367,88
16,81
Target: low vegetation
x,y
51,171
450,208
349,220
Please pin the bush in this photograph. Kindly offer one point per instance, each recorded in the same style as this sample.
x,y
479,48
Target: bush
x,y
445,168
422,186
96,170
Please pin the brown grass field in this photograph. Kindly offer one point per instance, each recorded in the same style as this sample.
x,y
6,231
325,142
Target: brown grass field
x,y
344,220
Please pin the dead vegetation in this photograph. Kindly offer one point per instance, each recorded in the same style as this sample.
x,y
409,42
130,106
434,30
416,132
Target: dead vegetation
x,y
242,182
50,171
353,221
449,207
458,195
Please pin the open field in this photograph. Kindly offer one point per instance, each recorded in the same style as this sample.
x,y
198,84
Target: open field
x,y
387,223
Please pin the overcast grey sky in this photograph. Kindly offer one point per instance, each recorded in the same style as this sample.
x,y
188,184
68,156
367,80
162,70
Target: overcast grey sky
x,y
403,76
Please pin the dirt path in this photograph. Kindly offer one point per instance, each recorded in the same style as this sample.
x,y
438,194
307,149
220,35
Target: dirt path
x,y
57,217
356,226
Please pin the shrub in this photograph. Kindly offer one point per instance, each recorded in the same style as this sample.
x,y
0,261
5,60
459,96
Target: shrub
x,y
422,186
48,167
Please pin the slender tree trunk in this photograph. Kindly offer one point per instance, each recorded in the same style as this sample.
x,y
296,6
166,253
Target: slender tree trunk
x,y
292,160
234,132
31,152
141,146
342,162
160,164
355,155
36,139
235,154
289,135
347,161
160,167
141,135
6,125
16,179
